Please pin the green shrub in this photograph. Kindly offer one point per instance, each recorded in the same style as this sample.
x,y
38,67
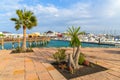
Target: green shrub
x,y
59,56
19,50
81,58
29,50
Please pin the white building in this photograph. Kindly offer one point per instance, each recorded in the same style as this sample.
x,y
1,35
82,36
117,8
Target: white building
x,y
51,34
11,35
1,34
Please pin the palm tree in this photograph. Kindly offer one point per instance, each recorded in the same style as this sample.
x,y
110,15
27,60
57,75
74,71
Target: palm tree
x,y
26,20
75,43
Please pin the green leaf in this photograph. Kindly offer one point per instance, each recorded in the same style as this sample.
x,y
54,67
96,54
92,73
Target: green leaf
x,y
17,27
26,18
74,33
13,19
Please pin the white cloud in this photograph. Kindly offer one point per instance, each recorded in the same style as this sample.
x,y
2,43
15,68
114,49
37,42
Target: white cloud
x,y
112,9
7,5
50,15
53,17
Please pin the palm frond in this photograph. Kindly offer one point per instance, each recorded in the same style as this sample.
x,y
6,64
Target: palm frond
x,y
29,27
17,27
77,30
73,29
13,19
74,33
70,31
20,14
25,18
33,20
81,33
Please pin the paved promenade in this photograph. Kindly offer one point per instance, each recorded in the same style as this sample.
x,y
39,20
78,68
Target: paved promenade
x,y
36,66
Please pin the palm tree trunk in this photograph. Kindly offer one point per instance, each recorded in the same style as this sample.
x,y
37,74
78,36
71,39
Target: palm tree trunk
x,y
24,39
73,52
77,54
71,61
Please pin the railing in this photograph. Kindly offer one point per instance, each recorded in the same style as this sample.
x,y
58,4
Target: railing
x,y
18,40
21,39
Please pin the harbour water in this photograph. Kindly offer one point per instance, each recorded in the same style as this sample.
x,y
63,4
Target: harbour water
x,y
58,43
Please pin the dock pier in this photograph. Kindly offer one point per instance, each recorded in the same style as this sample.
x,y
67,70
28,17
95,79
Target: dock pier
x,y
36,40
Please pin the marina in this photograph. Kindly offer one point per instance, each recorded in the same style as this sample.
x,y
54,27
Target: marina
x,y
56,43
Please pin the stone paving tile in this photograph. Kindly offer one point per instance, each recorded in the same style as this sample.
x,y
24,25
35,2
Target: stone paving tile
x,y
10,75
18,72
30,72
3,65
111,77
5,76
115,62
54,73
19,76
50,68
31,76
29,67
40,67
45,76
103,63
87,77
115,73
77,79
42,71
98,76
37,66
115,69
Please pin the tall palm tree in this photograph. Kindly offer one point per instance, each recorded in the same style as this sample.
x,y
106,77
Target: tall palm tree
x,y
26,20
75,43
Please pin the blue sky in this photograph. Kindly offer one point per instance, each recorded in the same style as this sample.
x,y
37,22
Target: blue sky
x,y
95,16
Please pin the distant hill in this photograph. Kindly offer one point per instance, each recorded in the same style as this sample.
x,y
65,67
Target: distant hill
x,y
5,32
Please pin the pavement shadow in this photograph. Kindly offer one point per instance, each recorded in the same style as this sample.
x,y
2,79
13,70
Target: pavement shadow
x,y
112,51
95,57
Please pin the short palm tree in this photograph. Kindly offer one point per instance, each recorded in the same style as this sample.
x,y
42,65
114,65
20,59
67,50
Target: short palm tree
x,y
26,20
75,43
